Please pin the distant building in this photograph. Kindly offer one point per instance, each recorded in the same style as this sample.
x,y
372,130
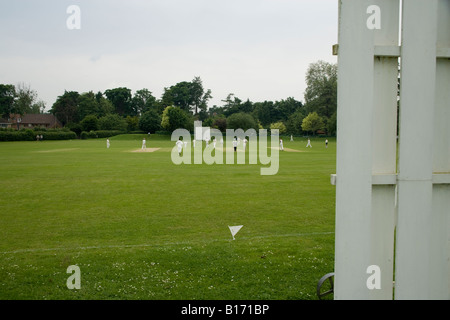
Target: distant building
x,y
31,121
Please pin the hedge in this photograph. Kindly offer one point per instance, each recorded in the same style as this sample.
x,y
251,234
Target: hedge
x,y
58,135
100,134
30,135
61,134
14,135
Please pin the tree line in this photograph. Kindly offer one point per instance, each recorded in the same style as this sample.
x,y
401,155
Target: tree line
x,y
184,102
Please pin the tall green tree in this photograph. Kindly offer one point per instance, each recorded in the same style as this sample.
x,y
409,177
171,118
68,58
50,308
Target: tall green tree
x,y
175,118
88,105
200,97
132,123
19,99
278,125
143,101
150,121
89,123
232,105
26,99
7,97
220,123
93,104
121,99
263,112
331,125
105,106
112,121
321,91
241,120
294,122
66,107
188,96
285,107
37,107
179,95
312,122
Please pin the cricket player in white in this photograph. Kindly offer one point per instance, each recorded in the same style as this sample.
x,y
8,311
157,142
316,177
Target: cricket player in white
x,y
309,144
179,146
281,145
144,147
107,143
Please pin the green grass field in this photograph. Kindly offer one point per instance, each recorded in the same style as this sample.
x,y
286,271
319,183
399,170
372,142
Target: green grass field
x,y
140,227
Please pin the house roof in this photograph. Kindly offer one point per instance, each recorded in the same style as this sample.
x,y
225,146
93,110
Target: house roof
x,y
34,119
37,119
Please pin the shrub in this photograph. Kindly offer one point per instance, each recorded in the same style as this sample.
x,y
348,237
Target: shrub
x,y
242,121
220,123
112,122
89,123
280,126
174,118
99,134
150,121
75,127
107,133
88,135
132,123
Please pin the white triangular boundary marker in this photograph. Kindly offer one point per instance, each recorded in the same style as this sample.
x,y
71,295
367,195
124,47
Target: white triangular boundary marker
x,y
234,230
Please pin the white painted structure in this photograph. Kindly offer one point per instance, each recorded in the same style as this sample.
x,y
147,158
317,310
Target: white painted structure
x,y
381,200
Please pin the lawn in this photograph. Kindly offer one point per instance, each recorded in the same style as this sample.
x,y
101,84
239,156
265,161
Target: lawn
x,y
140,227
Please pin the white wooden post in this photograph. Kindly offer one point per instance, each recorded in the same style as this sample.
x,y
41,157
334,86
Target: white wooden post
x,y
422,232
441,151
367,171
367,107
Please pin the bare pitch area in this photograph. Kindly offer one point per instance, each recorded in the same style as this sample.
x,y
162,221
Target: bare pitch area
x,y
146,150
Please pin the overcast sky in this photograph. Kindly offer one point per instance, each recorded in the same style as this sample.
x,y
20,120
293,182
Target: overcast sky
x,y
257,49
